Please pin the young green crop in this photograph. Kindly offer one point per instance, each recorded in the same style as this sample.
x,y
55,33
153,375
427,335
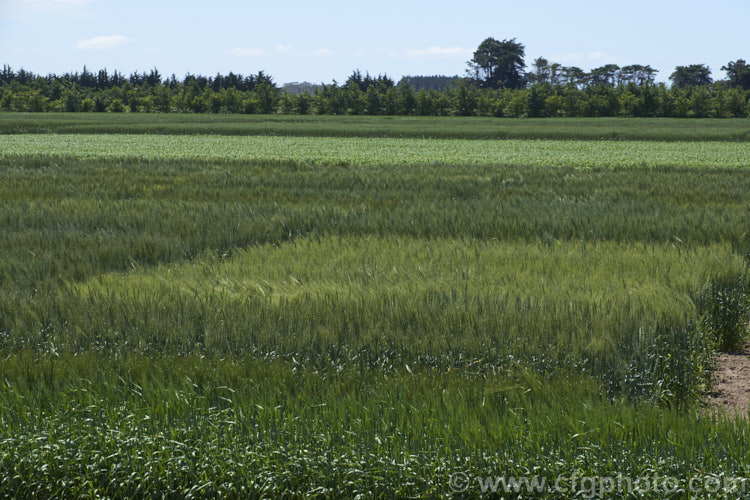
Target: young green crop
x,y
97,426
455,127
381,151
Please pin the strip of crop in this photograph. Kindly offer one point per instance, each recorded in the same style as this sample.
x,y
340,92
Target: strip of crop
x,y
602,308
385,151
592,129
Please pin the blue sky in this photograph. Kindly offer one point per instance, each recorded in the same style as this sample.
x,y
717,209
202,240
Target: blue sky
x,y
320,41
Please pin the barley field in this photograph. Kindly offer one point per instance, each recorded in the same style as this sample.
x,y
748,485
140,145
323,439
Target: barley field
x,y
202,307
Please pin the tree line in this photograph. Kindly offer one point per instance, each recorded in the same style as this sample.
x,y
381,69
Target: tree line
x,y
496,84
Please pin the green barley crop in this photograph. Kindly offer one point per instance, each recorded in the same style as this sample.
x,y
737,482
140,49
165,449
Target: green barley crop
x,y
116,215
250,316
372,151
97,426
596,129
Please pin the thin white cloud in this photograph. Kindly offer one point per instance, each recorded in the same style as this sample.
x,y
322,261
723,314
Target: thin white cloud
x,y
103,42
440,52
247,52
72,2
283,48
323,52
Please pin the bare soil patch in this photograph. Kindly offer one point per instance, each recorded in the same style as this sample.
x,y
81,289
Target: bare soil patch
x,y
731,391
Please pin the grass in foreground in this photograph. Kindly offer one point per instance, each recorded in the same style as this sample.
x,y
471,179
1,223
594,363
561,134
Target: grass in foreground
x,y
97,426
